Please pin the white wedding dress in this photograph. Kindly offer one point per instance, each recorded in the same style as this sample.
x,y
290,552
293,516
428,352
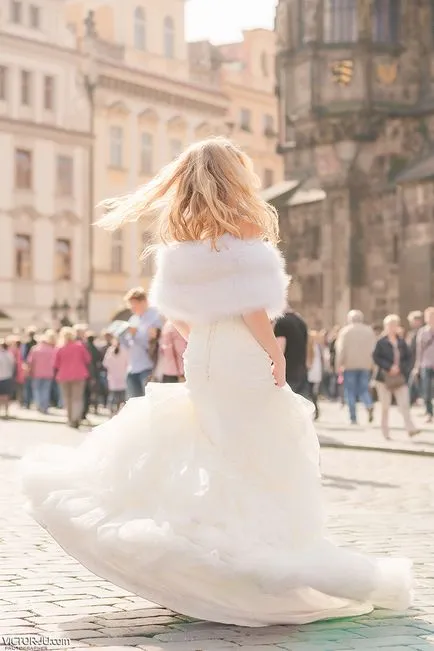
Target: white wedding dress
x,y
205,497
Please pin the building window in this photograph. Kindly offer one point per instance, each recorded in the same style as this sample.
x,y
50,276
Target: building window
x,y
65,176
264,64
117,253
269,125
62,260
23,257
23,169
146,153
35,16
175,147
245,119
169,37
48,93
139,29
340,21
116,146
386,21
16,9
268,178
26,88
3,82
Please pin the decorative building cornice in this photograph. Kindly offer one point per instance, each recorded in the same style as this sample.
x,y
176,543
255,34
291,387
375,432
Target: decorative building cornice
x,y
24,211
176,123
151,93
27,128
32,45
68,216
148,115
118,108
28,211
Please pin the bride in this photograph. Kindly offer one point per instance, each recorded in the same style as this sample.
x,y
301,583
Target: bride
x,y
205,497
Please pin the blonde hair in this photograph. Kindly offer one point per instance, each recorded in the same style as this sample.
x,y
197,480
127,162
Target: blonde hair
x,y
67,334
209,190
49,337
391,318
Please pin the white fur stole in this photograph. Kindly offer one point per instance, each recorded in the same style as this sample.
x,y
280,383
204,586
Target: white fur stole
x,y
197,284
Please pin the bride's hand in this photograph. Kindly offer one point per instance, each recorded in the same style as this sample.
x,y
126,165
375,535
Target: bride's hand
x,y
279,371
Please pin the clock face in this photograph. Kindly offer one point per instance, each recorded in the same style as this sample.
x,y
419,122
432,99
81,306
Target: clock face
x,y
342,71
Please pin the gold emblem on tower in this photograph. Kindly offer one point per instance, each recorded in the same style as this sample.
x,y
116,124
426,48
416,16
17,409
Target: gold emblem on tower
x,y
343,71
387,73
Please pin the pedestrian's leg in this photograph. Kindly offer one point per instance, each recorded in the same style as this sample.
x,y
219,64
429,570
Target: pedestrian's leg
x,y
134,385
145,376
78,397
414,390
45,393
65,388
385,400
28,397
364,378
313,397
350,388
427,391
36,385
85,400
402,396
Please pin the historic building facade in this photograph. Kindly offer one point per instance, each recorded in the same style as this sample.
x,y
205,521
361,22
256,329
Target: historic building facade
x,y
44,156
146,111
245,72
356,98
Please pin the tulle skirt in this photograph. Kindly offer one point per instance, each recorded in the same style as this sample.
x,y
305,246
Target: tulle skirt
x,y
205,497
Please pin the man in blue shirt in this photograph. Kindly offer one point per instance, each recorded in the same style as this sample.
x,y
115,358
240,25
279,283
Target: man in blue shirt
x,y
144,326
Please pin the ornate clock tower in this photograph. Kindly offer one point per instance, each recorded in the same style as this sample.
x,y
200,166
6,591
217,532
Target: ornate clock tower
x,y
355,87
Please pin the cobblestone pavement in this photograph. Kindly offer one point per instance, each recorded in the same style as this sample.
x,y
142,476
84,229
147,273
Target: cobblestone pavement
x,y
380,502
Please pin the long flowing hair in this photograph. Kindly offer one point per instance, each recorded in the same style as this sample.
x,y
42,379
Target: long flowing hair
x,y
209,190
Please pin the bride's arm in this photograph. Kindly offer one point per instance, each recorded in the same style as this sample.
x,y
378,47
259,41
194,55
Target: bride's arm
x,y
183,328
259,325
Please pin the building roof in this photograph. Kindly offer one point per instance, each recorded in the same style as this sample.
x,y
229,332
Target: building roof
x,y
306,196
420,170
280,192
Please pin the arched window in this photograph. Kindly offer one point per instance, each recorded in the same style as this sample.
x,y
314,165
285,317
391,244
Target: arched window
x,y
264,64
139,29
340,21
169,37
386,21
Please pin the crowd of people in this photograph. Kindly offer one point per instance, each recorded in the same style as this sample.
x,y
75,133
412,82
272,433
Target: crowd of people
x,y
82,372
360,363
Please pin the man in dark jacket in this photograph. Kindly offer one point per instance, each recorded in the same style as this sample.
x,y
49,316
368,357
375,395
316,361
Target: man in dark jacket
x,y
292,335
25,350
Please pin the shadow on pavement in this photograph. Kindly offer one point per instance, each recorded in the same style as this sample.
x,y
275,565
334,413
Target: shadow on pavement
x,y
352,484
123,628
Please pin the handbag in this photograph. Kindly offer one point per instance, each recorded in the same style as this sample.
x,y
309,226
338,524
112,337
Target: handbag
x,y
393,382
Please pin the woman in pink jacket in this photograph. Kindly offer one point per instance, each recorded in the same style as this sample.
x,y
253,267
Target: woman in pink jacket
x,y
171,350
72,370
40,365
